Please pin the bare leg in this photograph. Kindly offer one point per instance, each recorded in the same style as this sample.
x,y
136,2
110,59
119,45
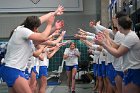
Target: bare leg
x,y
105,84
131,88
109,87
43,84
11,90
100,87
74,71
21,85
33,82
118,81
69,79
96,84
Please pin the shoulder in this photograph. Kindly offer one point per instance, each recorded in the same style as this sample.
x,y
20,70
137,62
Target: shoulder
x,y
76,49
67,48
130,39
132,36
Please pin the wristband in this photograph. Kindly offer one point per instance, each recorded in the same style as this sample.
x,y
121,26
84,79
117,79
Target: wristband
x,y
89,38
95,46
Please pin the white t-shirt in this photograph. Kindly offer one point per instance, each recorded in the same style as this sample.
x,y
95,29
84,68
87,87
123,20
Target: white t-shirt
x,y
37,61
72,59
45,62
96,56
31,61
19,49
117,64
102,57
109,58
132,58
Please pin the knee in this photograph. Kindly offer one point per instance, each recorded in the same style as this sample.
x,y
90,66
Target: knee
x,y
73,77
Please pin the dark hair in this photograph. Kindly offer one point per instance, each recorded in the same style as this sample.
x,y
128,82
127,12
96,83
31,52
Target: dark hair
x,y
121,14
125,22
73,43
31,22
115,28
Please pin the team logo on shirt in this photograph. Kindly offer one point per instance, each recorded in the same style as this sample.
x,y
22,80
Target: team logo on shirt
x,y
35,1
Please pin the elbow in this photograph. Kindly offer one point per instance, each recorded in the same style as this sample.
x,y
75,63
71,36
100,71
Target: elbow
x,y
64,58
35,55
117,55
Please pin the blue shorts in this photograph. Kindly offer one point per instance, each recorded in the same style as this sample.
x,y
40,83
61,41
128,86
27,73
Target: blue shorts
x,y
27,74
132,75
34,70
9,75
99,70
111,73
120,73
69,68
0,70
103,69
95,69
43,71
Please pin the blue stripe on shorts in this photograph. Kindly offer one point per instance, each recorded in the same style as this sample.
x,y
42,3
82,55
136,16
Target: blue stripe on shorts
x,y
9,75
69,68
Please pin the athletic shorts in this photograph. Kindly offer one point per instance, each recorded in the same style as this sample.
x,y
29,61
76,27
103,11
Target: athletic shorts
x,y
34,70
0,69
132,75
43,71
27,74
120,73
103,69
99,70
9,75
69,68
111,73
95,69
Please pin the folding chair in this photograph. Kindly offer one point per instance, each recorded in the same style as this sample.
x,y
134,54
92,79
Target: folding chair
x,y
57,73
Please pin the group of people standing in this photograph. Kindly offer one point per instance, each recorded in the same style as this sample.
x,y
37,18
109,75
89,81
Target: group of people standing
x,y
115,53
28,47
26,61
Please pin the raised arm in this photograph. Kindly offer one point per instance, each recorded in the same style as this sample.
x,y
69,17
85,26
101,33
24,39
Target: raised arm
x,y
58,11
43,35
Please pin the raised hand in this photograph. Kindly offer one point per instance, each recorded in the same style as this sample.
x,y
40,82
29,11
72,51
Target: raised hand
x,y
65,43
81,31
76,36
59,10
63,33
51,19
100,39
91,24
